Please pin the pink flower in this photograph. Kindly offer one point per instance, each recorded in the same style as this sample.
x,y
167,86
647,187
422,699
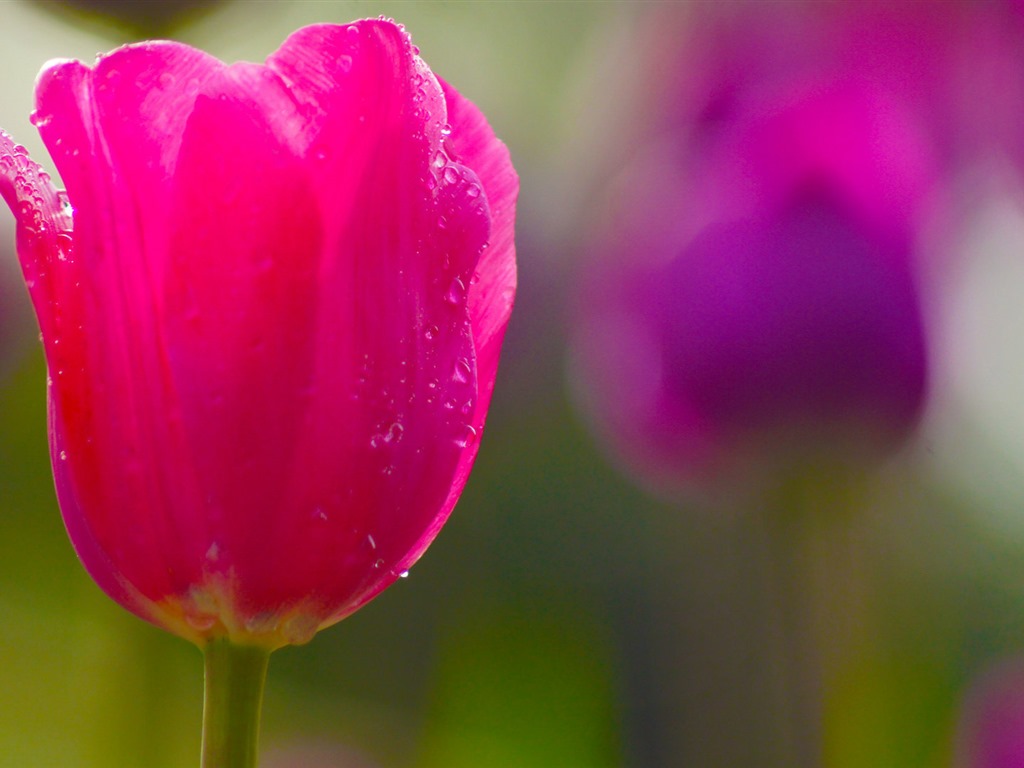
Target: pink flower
x,y
273,329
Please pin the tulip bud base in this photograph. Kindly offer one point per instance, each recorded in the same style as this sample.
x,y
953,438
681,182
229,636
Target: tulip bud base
x,y
235,675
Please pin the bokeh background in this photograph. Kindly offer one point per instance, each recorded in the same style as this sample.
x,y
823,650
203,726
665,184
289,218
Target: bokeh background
x,y
569,616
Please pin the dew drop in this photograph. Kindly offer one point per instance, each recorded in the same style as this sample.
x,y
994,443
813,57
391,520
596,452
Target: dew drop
x,y
431,333
392,435
379,563
63,455
371,543
440,159
462,372
472,191
466,438
345,63
446,130
64,243
403,575
456,292
450,175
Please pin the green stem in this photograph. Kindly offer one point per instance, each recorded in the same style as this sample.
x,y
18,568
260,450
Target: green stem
x,y
231,708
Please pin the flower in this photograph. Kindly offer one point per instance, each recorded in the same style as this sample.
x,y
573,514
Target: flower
x,y
990,732
272,302
756,306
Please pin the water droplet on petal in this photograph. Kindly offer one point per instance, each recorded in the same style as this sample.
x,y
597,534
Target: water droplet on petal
x,y
456,292
450,175
378,564
63,455
466,438
431,333
64,243
345,63
403,575
462,372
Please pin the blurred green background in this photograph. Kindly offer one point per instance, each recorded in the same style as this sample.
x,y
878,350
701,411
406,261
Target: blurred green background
x,y
563,618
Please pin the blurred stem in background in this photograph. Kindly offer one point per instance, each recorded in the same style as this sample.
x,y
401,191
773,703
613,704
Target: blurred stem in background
x,y
807,557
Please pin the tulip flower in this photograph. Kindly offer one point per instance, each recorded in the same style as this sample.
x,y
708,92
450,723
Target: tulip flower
x,y
759,305
272,301
990,733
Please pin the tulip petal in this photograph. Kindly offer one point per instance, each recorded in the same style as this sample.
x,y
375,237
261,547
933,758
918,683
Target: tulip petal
x,y
113,131
394,364
492,290
245,243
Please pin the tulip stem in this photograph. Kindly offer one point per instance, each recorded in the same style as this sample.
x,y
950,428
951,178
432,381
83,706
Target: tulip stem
x,y
231,707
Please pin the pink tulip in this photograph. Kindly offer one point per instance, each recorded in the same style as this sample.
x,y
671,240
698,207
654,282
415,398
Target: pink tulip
x,y
272,302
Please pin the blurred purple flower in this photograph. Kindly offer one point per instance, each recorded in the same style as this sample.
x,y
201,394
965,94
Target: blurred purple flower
x,y
959,65
991,728
754,294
